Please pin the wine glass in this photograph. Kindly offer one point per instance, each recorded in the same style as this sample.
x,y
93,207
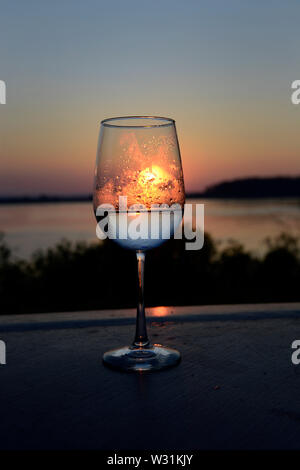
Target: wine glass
x,y
139,166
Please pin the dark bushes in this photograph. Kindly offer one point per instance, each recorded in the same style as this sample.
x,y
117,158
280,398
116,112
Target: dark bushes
x,y
102,275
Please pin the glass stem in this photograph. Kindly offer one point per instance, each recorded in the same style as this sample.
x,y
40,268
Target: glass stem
x,y
141,339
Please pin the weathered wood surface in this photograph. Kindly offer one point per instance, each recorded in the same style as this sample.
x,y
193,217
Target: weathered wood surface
x,y
236,387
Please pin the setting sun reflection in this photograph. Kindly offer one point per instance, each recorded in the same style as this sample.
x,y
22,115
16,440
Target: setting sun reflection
x,y
161,311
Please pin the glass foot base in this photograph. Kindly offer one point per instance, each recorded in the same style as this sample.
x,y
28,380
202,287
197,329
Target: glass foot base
x,y
152,358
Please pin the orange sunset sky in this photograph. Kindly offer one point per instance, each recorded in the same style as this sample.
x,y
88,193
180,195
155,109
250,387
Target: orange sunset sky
x,y
222,70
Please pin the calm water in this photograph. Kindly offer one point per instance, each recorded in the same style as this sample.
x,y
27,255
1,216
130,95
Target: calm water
x,y
29,227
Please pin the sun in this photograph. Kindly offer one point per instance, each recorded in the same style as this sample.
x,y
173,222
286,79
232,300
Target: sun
x,y
155,175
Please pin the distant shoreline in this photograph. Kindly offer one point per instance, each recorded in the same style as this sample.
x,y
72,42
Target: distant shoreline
x,y
246,188
70,200
44,199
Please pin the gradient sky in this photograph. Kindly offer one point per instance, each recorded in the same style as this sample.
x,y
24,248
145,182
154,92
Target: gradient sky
x,y
222,69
